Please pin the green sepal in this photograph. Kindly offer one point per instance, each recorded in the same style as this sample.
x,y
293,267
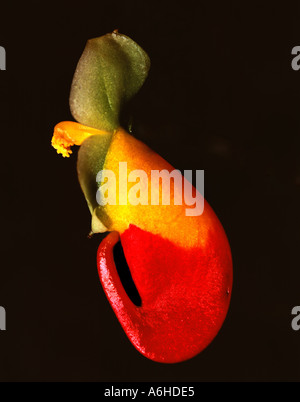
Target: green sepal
x,y
91,159
110,71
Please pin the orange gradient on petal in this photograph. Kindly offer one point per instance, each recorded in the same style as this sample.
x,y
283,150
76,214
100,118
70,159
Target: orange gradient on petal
x,y
169,221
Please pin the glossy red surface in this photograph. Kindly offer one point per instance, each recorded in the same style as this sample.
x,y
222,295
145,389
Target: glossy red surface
x,y
185,293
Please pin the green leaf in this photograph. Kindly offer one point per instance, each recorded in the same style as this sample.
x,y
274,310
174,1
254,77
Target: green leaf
x,y
110,71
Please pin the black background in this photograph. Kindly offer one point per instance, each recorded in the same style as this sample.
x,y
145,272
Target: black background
x,y
221,96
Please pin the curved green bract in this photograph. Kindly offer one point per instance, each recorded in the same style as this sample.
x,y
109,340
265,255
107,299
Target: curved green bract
x,y
110,71
91,159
